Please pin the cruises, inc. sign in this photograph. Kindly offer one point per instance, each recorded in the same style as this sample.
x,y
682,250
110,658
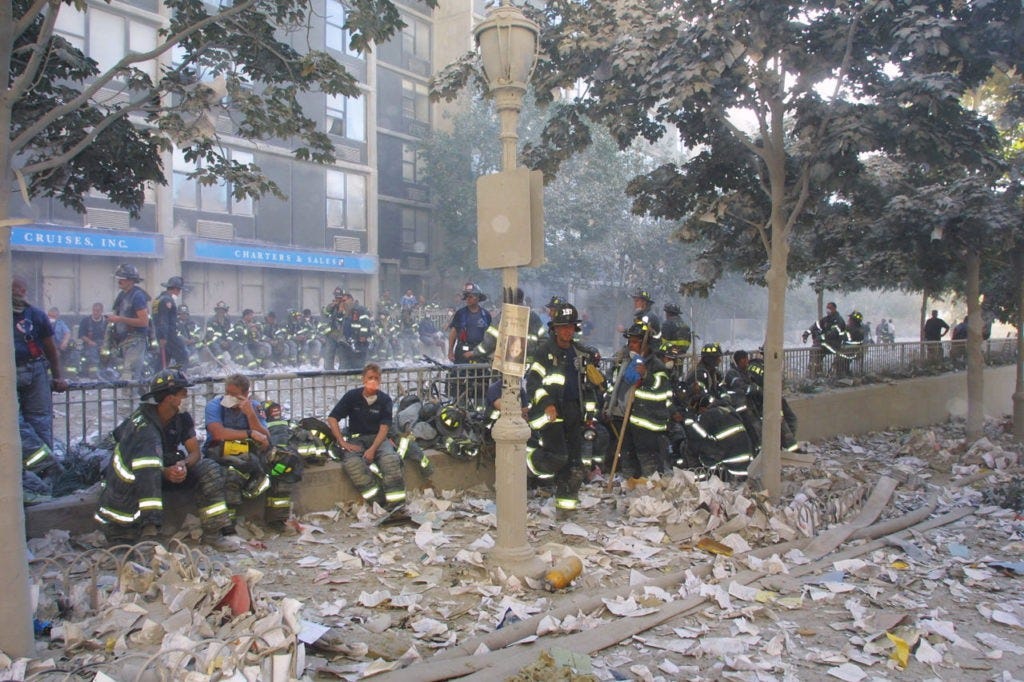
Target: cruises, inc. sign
x,y
85,241
261,255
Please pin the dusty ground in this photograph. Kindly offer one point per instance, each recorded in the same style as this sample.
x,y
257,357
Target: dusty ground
x,y
941,604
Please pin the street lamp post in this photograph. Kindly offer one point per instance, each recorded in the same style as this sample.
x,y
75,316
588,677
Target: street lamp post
x,y
508,49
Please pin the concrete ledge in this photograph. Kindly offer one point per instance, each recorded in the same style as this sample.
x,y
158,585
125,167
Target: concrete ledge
x,y
321,488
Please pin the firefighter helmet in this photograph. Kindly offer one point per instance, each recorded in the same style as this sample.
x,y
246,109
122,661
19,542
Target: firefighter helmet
x,y
642,293
857,315
555,302
450,420
671,308
339,292
175,282
127,271
165,382
272,409
566,314
756,372
637,330
473,290
183,310
221,305
711,349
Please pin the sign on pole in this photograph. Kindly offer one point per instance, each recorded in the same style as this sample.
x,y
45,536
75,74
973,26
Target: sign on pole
x,y
510,353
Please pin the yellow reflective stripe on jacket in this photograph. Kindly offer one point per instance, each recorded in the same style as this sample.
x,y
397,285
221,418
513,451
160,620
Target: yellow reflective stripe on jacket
x,y
38,456
215,509
147,463
151,504
554,380
540,422
122,471
725,433
539,369
114,515
646,424
278,502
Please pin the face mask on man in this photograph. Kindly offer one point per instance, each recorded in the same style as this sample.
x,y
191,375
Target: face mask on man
x,y
230,401
176,298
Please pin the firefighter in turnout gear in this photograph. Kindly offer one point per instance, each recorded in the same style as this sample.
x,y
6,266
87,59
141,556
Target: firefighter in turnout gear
x,y
157,451
237,438
675,333
645,443
562,401
219,333
719,440
284,466
643,313
165,324
706,377
826,336
755,403
368,457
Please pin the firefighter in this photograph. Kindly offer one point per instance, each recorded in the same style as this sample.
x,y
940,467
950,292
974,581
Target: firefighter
x,y
237,438
130,319
219,331
368,457
334,339
36,357
674,332
188,331
284,466
643,312
468,325
484,351
706,377
755,402
157,450
562,401
852,348
719,440
165,324
826,336
645,443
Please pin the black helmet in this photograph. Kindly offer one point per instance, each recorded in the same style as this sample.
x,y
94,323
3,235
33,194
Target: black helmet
x,y
429,410
473,290
183,309
450,420
711,349
556,302
272,409
166,381
671,350
637,329
756,372
127,271
338,292
175,282
294,312
642,293
857,315
221,305
671,308
565,314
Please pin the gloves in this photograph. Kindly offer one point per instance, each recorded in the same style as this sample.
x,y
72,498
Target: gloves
x,y
631,375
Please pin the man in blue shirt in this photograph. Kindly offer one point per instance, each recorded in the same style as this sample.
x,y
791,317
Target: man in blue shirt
x,y
34,352
468,325
131,322
237,438
368,457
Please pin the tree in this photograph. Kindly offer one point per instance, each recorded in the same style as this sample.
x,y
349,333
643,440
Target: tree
x,y
72,128
821,83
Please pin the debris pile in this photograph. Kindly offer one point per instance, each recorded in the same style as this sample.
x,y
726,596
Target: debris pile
x,y
887,557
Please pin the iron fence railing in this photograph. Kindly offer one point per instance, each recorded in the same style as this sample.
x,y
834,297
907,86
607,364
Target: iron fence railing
x,y
90,410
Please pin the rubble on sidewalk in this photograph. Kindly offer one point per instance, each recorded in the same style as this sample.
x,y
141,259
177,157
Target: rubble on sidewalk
x,y
387,601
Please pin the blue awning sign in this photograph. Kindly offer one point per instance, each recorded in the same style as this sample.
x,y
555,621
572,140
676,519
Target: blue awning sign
x,y
86,241
261,255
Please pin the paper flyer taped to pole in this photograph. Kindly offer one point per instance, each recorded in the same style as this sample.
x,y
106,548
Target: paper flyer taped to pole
x,y
510,353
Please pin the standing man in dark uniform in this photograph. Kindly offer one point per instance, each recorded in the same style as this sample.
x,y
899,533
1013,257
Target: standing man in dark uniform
x,y
934,329
643,313
468,325
131,322
562,400
34,354
165,324
334,317
826,336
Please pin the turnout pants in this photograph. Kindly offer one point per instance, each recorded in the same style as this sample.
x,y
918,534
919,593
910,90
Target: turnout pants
x,y
382,477
558,455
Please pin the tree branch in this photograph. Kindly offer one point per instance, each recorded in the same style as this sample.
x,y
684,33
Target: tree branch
x,y
29,17
20,85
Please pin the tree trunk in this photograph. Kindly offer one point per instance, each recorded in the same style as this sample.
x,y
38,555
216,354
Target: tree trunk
x,y
16,634
1018,393
975,361
924,316
821,304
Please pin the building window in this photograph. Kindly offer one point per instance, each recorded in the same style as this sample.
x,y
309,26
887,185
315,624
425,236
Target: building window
x,y
416,39
346,201
215,198
412,163
346,117
71,26
107,37
415,101
336,36
415,230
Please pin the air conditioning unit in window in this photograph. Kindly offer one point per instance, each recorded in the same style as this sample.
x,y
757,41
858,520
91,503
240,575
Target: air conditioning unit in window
x,y
348,244
214,229
106,218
